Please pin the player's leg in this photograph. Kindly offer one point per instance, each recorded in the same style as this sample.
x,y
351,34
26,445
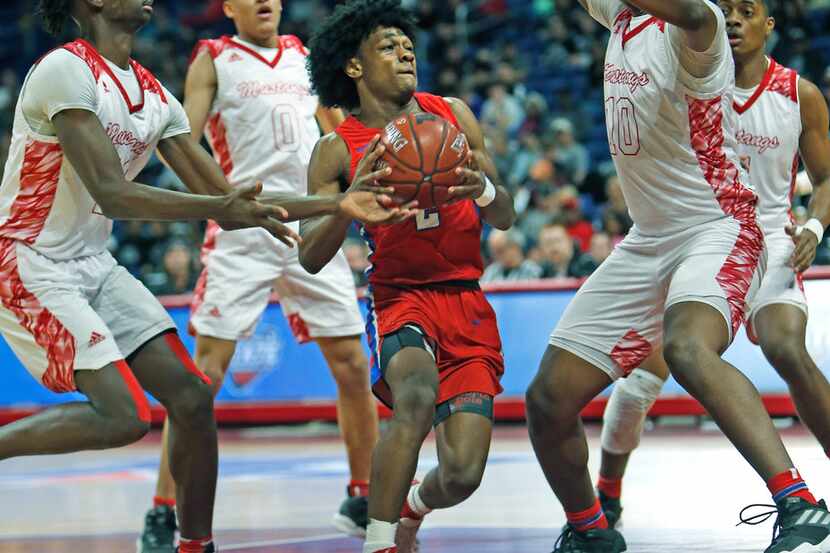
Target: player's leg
x,y
49,324
701,318
412,376
781,330
165,369
623,423
116,414
213,356
463,432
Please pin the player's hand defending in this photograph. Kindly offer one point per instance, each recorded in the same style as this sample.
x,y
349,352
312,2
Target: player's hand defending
x,y
806,243
472,181
243,211
371,208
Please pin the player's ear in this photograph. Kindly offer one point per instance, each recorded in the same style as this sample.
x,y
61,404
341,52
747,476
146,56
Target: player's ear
x,y
770,26
354,69
227,8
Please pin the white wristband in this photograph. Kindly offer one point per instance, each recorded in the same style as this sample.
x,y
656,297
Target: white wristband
x,y
815,226
489,195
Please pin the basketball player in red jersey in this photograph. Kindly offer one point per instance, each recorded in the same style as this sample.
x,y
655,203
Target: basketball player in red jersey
x,y
781,116
259,75
87,121
436,350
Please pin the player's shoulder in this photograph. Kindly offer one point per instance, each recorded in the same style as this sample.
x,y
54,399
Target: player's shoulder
x,y
810,97
783,80
77,56
332,144
210,47
293,43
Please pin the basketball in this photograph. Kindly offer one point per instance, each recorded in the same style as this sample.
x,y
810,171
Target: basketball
x,y
423,150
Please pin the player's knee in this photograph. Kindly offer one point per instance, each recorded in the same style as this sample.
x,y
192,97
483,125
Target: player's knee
x,y
791,360
351,374
462,477
126,429
542,403
683,355
193,405
415,406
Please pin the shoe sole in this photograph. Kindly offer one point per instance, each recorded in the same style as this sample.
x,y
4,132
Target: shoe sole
x,y
347,526
824,546
139,548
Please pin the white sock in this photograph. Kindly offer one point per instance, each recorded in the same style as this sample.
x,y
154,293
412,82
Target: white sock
x,y
380,535
416,503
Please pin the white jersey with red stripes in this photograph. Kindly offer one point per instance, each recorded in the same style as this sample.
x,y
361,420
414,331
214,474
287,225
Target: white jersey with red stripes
x,y
262,124
769,132
43,201
671,134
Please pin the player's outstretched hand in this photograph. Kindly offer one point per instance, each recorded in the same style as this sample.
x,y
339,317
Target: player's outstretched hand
x,y
806,243
472,181
365,175
372,208
243,211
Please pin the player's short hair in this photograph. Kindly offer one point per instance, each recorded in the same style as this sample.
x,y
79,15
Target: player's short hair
x,y
55,14
338,39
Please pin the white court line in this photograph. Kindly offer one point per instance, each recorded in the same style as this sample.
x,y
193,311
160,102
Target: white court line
x,y
291,541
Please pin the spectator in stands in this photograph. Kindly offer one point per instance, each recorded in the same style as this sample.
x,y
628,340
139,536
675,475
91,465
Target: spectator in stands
x,y
571,157
502,111
178,272
572,219
615,218
506,249
357,255
601,247
559,255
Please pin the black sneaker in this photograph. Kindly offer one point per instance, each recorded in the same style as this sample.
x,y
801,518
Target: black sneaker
x,y
353,516
613,510
597,540
159,531
800,527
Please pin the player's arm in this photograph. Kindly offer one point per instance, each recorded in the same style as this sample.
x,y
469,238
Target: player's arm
x,y
329,118
814,146
693,16
91,153
365,200
500,212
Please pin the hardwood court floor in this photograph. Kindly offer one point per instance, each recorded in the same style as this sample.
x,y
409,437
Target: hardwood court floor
x,y
279,488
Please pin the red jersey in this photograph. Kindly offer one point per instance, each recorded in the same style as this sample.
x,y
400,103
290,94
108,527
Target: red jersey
x,y
440,244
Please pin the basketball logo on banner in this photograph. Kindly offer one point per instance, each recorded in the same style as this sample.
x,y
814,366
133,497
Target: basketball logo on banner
x,y
255,358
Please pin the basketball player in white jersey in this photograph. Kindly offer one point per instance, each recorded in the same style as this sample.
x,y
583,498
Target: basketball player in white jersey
x,y
780,115
680,280
251,93
87,121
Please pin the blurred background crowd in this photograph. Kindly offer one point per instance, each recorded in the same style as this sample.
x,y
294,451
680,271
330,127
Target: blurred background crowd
x,y
530,69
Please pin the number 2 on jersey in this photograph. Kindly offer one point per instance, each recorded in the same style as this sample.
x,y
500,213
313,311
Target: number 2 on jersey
x,y
286,125
426,219
623,131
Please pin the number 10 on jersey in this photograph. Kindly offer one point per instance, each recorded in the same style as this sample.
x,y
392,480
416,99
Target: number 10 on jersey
x,y
621,122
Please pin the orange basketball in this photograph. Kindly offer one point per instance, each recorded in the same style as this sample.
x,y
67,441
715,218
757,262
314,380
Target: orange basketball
x,y
423,150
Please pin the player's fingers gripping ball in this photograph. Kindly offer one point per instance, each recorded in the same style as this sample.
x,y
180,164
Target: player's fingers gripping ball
x,y
423,152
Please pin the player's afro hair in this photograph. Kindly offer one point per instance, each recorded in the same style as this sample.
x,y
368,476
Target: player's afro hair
x,y
55,14
338,39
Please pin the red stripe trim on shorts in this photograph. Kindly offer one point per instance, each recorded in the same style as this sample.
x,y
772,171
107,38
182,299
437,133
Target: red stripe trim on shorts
x,y
176,345
630,351
48,332
142,406
737,201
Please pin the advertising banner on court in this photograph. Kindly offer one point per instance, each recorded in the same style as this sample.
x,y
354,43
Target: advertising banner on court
x,y
271,367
